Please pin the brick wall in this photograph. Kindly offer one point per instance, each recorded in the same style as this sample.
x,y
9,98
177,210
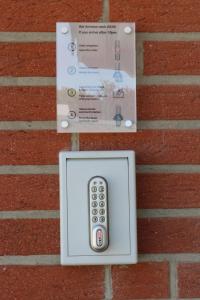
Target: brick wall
x,y
167,146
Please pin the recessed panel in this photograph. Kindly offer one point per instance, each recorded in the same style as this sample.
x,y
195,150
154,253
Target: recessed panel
x,y
96,78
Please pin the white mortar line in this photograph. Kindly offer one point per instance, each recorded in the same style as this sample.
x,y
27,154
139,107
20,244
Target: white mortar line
x,y
141,169
168,213
184,168
172,257
30,260
55,259
27,81
143,36
169,124
142,125
173,279
27,125
169,80
108,282
28,169
141,80
30,214
27,37
141,213
169,36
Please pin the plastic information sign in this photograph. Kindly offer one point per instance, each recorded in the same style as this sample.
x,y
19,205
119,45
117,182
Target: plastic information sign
x,y
96,77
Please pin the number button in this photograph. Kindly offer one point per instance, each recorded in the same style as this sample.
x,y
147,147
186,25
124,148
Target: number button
x,y
94,196
94,219
94,204
94,189
102,211
101,189
94,211
101,204
102,219
101,196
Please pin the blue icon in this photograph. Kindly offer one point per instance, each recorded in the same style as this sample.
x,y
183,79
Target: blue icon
x,y
118,76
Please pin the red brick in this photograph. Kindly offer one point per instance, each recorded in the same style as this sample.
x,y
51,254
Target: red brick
x,y
155,235
29,192
169,235
168,190
158,15
29,236
151,146
141,281
168,102
172,58
189,280
51,282
27,103
27,59
31,147
35,15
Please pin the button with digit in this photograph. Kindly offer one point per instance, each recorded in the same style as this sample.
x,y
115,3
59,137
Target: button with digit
x,y
94,219
94,204
102,219
102,211
101,196
101,188
94,189
101,204
94,211
94,196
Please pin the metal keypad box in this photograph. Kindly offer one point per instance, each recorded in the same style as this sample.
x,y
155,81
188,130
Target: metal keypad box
x,y
81,212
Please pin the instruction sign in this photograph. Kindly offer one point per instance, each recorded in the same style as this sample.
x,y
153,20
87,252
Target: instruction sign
x,y
96,77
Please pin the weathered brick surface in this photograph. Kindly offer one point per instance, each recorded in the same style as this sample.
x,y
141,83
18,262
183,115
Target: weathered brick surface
x,y
151,146
172,58
141,281
34,192
51,282
35,15
32,147
189,280
27,103
29,192
169,235
29,236
168,190
168,102
155,235
27,59
158,15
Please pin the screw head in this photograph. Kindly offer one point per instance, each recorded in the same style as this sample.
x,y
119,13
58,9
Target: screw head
x,y
64,30
127,29
128,123
64,124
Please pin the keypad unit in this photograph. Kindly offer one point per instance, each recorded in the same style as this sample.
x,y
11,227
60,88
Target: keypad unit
x,y
98,213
